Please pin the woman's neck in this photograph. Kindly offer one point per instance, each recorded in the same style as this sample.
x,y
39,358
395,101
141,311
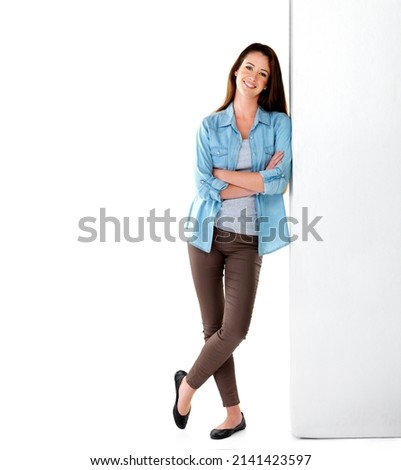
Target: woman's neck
x,y
245,108
245,112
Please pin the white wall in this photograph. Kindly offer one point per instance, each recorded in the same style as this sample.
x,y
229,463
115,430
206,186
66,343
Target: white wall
x,y
345,299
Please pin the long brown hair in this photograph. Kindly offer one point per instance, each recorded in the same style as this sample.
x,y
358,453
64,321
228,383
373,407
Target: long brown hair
x,y
271,99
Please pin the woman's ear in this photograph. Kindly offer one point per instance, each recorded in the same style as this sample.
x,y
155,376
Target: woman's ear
x,y
236,73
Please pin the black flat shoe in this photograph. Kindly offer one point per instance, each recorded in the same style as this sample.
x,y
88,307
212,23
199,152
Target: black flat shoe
x,y
180,421
223,433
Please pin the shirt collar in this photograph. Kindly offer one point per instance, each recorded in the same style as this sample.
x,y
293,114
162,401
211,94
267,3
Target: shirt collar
x,y
227,116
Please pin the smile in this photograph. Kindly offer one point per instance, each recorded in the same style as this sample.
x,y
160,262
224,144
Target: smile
x,y
249,85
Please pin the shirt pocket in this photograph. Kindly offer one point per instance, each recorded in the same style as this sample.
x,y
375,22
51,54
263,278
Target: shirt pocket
x,y
219,157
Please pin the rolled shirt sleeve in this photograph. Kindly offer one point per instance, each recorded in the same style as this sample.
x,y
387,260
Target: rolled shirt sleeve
x,y
208,187
276,180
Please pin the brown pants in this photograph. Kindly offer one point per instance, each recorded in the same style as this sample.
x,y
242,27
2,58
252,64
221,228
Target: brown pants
x,y
226,310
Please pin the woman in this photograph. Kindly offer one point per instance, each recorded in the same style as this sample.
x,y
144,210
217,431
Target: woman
x,y
238,215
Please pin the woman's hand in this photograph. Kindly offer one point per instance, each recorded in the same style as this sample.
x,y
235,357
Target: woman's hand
x,y
275,160
218,173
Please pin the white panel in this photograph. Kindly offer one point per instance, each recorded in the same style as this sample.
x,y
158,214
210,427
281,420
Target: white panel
x,y
345,302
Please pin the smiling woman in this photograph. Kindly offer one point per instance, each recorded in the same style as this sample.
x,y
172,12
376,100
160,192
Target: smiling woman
x,y
243,166
252,75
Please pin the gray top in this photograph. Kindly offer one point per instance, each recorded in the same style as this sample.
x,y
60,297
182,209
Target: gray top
x,y
239,214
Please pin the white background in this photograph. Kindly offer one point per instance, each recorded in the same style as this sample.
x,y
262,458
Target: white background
x,y
100,102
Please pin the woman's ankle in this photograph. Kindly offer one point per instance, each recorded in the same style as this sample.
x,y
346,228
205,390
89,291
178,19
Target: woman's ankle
x,y
185,394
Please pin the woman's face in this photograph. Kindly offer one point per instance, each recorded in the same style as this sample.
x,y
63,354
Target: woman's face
x,y
253,74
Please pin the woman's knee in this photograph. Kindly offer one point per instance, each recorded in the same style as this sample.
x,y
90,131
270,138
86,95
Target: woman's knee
x,y
234,335
210,329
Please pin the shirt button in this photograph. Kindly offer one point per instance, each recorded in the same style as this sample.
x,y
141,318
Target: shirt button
x,y
202,181
251,137
218,152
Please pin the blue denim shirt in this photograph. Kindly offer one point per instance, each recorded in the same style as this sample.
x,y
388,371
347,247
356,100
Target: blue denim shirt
x,y
218,145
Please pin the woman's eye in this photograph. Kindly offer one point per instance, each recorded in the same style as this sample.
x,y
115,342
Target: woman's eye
x,y
264,75
248,67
